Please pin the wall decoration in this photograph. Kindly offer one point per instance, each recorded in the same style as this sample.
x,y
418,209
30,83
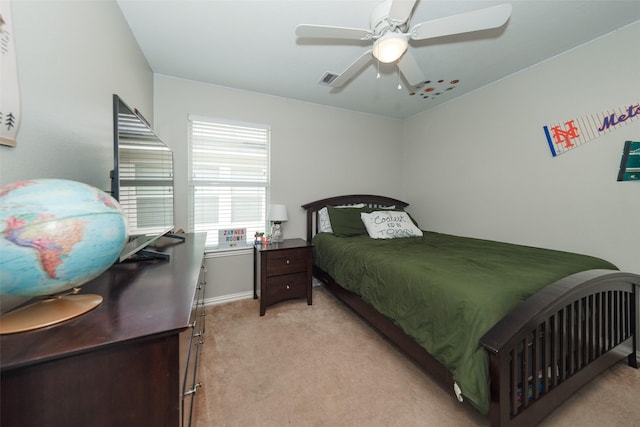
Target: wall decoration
x,y
232,237
630,162
570,134
9,92
432,89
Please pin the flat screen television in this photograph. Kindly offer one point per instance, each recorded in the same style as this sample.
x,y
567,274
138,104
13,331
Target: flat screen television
x,y
141,181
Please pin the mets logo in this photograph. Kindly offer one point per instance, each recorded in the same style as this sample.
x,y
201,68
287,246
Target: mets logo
x,y
575,132
565,136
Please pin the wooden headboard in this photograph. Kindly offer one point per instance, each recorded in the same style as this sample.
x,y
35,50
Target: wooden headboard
x,y
370,200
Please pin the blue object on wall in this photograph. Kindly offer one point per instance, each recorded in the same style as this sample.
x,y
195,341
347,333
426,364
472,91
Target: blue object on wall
x,y
630,163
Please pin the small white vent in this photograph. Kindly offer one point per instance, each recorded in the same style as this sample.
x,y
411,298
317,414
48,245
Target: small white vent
x,y
328,78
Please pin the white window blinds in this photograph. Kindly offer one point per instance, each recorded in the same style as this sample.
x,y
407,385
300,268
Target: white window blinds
x,y
229,176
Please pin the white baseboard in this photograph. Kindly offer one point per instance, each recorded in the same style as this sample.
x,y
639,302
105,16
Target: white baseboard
x,y
228,298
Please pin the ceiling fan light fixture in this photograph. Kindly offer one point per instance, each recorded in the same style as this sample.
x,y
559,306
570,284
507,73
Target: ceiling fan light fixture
x,y
390,47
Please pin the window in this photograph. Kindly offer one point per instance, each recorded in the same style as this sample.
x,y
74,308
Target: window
x,y
229,176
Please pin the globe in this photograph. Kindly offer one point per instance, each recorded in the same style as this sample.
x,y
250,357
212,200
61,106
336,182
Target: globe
x,y
56,235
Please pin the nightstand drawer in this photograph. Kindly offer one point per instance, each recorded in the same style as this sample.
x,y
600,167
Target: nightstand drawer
x,y
280,288
286,262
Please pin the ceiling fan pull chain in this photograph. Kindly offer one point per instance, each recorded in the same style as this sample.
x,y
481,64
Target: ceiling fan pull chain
x,y
399,84
378,76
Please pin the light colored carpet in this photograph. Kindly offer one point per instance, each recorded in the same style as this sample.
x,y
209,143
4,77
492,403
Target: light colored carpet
x,y
321,365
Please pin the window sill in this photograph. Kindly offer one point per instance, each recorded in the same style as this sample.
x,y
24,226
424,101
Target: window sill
x,y
215,252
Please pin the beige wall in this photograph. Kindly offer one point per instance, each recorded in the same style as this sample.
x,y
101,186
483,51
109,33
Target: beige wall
x,y
72,56
316,152
484,169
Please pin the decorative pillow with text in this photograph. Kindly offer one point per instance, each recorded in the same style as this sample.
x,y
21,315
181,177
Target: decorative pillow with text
x,y
389,225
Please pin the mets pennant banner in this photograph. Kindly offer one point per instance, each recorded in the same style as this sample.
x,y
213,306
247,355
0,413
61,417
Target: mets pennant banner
x,y
563,137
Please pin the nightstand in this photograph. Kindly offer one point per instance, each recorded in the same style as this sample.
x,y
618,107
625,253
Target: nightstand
x,y
283,271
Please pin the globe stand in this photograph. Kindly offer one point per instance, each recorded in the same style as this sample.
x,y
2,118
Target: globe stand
x,y
47,312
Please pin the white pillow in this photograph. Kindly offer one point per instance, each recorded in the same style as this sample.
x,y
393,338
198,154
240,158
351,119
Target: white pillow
x,y
389,225
324,223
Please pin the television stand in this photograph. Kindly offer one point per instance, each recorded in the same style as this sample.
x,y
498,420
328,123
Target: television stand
x,y
147,255
174,236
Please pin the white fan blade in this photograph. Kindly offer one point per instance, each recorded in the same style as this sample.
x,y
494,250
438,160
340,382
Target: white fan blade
x,y
329,32
483,19
410,69
353,69
401,10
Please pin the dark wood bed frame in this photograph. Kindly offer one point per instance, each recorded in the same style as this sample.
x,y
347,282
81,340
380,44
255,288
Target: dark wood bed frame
x,y
549,346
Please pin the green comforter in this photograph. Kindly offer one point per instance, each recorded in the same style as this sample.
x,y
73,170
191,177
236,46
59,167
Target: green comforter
x,y
446,291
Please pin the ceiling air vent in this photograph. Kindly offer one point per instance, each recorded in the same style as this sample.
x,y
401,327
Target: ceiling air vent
x,y
328,78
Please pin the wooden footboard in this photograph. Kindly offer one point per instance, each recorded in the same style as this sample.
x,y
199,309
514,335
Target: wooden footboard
x,y
558,340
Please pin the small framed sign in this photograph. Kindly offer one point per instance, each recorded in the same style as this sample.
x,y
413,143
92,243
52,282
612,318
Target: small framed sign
x,y
630,162
232,237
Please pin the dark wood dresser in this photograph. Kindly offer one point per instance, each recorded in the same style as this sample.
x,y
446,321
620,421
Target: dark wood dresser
x,y
130,362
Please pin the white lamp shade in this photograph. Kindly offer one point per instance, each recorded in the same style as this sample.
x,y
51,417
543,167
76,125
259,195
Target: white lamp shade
x,y
277,213
389,47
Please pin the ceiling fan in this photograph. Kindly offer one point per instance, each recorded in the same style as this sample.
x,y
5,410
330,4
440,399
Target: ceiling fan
x,y
390,32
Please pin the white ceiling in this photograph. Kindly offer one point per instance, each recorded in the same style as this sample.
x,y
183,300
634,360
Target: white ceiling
x,y
251,45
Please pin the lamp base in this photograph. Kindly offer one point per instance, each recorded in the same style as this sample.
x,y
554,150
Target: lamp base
x,y
276,232
47,312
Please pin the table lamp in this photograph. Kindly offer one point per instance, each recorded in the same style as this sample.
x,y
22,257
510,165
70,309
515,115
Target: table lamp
x,y
277,214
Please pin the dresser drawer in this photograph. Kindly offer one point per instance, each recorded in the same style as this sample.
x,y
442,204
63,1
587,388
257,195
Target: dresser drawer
x,y
192,340
286,262
280,288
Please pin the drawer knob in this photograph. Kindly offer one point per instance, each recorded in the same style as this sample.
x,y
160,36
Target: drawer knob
x,y
288,287
288,262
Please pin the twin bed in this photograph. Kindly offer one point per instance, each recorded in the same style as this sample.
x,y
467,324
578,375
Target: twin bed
x,y
513,330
